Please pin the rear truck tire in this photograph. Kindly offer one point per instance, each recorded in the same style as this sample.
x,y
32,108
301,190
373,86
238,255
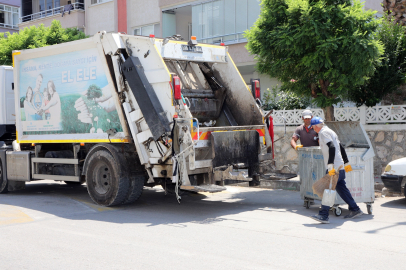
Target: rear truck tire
x,y
136,188
3,181
107,179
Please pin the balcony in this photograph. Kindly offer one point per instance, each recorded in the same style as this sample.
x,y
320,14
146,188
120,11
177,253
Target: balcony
x,y
71,15
8,26
226,39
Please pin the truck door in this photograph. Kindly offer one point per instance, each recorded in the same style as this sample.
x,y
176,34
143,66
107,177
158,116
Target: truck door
x,y
9,96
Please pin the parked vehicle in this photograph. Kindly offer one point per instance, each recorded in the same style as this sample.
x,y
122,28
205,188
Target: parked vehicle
x,y
394,177
119,112
7,111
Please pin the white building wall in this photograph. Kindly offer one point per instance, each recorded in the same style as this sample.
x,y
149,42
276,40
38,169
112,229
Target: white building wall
x,y
141,12
100,17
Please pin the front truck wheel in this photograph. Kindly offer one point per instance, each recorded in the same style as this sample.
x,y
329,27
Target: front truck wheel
x,y
3,181
107,179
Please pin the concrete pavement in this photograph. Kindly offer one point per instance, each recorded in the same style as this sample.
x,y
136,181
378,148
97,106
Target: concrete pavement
x,y
51,225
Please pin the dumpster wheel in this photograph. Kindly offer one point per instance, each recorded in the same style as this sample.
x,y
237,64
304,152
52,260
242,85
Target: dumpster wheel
x,y
307,203
337,211
369,209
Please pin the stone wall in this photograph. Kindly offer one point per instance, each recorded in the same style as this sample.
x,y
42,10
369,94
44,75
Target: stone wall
x,y
388,141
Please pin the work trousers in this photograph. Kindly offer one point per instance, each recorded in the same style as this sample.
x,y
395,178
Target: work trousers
x,y
344,193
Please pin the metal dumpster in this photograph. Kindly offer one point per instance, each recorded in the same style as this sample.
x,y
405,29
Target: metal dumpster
x,y
360,154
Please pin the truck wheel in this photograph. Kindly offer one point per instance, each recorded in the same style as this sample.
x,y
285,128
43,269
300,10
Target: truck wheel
x,y
3,181
136,188
106,179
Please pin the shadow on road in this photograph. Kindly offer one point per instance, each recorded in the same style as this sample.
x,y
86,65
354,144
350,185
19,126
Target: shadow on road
x,y
397,203
156,208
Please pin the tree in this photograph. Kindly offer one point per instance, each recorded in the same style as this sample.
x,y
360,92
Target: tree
x,y
318,48
390,74
278,99
35,37
396,10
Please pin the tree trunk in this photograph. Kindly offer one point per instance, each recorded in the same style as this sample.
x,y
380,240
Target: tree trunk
x,y
328,113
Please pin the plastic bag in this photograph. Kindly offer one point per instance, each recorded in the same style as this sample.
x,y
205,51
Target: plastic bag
x,y
329,195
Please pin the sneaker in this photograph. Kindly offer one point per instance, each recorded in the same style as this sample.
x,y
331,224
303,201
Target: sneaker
x,y
354,214
320,219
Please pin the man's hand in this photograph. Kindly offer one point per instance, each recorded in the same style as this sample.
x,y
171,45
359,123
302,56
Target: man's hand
x,y
330,168
298,146
347,167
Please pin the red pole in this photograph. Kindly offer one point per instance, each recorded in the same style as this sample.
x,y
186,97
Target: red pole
x,y
122,15
272,135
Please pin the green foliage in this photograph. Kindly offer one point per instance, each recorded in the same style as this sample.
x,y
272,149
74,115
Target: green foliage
x,y
35,37
316,48
94,92
277,99
391,73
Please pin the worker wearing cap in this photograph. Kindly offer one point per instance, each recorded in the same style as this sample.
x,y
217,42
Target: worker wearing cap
x,y
334,157
305,133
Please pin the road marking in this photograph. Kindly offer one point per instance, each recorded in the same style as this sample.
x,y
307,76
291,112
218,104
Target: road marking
x,y
12,215
95,206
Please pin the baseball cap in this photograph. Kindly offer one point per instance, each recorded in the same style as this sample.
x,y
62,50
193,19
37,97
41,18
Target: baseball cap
x,y
316,120
307,114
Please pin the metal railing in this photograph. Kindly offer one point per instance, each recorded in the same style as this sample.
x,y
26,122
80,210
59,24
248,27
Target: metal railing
x,y
51,12
366,115
226,39
6,25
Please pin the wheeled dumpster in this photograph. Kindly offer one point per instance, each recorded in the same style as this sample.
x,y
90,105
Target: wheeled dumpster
x,y
360,154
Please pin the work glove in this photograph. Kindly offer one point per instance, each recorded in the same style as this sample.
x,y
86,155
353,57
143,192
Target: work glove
x,y
298,146
347,167
330,168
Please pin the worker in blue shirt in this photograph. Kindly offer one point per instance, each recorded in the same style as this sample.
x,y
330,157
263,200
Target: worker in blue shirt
x,y
334,157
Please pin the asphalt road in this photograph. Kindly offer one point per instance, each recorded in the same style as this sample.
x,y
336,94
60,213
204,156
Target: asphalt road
x,y
55,226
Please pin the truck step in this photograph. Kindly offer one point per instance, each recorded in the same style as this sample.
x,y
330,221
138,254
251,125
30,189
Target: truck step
x,y
204,188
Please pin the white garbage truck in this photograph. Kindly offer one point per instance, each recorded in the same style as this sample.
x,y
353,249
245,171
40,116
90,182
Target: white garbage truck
x,y
121,112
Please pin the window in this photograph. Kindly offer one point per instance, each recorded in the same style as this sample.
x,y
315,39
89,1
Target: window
x,y
41,5
224,20
99,1
146,30
9,16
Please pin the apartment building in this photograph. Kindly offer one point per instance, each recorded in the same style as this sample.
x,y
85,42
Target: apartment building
x,y
211,21
9,15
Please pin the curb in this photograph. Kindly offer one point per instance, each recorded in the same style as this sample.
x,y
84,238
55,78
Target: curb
x,y
293,185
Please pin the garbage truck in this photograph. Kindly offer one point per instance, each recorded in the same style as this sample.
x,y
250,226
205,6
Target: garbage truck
x,y
121,112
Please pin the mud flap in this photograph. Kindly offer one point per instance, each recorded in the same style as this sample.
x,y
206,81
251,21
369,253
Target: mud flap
x,y
234,147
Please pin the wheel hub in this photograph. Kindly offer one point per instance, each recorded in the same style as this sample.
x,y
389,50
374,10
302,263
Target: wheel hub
x,y
102,178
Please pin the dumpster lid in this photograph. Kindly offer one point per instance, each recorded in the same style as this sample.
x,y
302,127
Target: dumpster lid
x,y
350,133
